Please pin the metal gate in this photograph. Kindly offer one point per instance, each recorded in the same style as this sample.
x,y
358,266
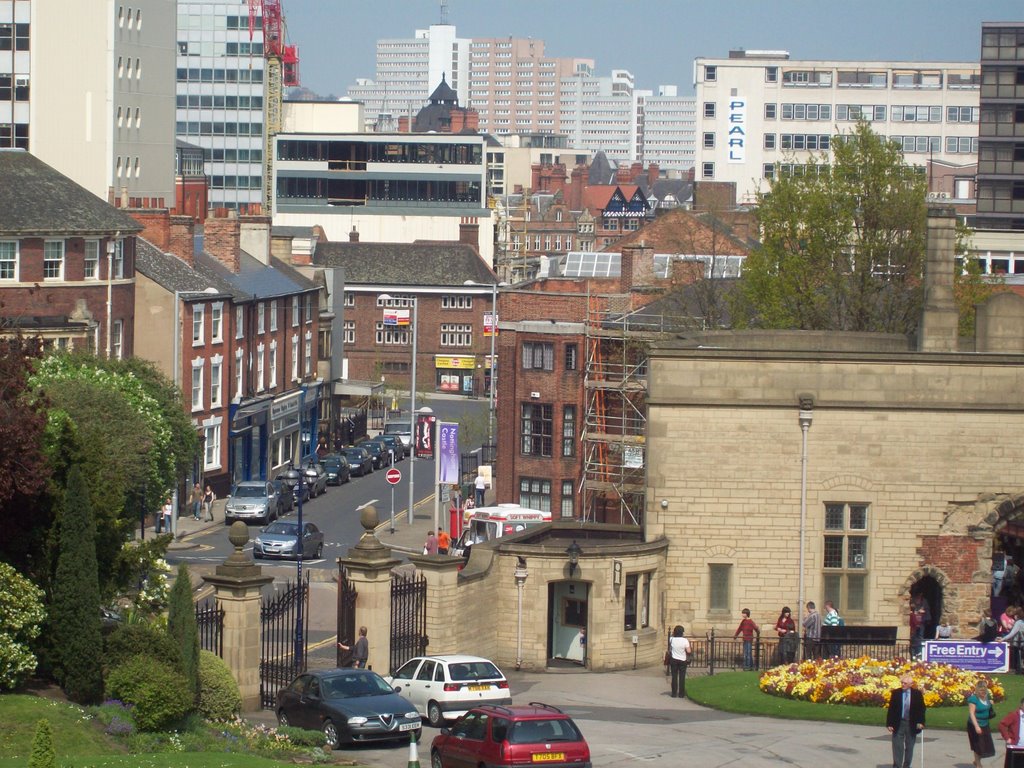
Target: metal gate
x,y
210,624
283,639
346,615
408,618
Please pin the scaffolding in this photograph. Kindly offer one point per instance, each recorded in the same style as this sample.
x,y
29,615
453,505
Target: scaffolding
x,y
614,436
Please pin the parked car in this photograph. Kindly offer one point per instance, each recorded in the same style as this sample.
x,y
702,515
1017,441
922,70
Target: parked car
x,y
445,687
347,705
280,539
251,501
378,452
394,442
316,478
401,430
337,469
290,477
504,736
285,496
359,460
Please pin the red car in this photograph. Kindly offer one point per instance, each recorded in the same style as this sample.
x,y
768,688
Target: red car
x,y
493,735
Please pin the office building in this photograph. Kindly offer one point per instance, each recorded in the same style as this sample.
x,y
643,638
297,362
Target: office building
x,y
761,113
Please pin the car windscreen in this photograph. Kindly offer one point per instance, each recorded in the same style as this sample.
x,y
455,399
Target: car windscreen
x,y
465,671
354,686
332,464
283,529
250,491
543,731
396,429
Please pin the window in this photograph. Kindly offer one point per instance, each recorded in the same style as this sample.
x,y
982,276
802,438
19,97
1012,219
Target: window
x,y
197,384
261,317
308,356
569,430
570,357
769,141
260,367
198,324
845,559
710,73
535,493
350,301
216,375
295,309
536,425
8,260
117,340
217,322
323,345
273,316
392,334
538,356
770,111
769,170
456,335
709,140
719,586
118,259
350,332
273,364
771,74
309,309
637,600
239,357
91,264
455,301
239,321
707,170
53,260
295,358
709,109
211,444
568,499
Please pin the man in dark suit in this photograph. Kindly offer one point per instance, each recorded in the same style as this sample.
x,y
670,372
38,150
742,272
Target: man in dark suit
x,y
905,720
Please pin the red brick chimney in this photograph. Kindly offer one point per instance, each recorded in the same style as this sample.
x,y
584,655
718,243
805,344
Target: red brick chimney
x,y
576,183
156,226
222,238
653,171
637,267
469,232
622,175
182,239
558,178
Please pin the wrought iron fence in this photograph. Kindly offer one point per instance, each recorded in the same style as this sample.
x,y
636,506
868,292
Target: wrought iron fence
x,y
210,624
347,596
408,618
280,659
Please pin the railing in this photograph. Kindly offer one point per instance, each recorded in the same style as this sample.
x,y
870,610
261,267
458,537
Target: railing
x,y
210,624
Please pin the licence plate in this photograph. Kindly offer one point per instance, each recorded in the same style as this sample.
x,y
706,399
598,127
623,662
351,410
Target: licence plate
x,y
548,757
479,687
408,727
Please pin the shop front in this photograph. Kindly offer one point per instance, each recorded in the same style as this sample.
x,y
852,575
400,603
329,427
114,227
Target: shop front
x,y
247,450
310,421
455,373
284,430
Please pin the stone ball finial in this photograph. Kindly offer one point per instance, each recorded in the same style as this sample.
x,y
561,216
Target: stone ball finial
x,y
238,535
368,518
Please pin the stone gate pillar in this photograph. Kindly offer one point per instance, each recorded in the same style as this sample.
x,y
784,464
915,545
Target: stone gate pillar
x,y
237,583
369,565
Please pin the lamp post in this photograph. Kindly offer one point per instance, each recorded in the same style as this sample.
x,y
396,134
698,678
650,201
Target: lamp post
x,y
299,477
520,575
494,332
806,416
412,402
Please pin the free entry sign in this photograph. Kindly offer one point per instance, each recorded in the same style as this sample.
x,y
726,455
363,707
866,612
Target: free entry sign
x,y
968,655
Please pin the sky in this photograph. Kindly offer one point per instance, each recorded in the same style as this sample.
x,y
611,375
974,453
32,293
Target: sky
x,y
656,40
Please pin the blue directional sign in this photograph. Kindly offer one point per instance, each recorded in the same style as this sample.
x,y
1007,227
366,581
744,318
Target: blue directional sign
x,y
968,655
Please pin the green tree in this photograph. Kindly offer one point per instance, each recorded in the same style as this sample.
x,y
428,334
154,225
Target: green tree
x,y
75,613
21,614
43,754
970,287
181,625
843,245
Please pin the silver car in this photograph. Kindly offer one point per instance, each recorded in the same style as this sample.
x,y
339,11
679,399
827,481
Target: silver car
x,y
281,539
252,501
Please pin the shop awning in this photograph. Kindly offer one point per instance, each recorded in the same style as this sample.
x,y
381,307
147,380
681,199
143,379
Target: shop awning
x,y
356,387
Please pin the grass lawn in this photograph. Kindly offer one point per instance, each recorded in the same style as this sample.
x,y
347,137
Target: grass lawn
x,y
158,760
738,692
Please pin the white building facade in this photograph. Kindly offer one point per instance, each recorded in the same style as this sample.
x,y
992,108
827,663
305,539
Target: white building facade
x,y
668,124
220,96
99,113
761,113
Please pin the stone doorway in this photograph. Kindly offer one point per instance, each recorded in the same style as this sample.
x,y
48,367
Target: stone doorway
x,y
568,611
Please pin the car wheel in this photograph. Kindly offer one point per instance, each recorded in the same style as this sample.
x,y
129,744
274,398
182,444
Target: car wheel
x,y
330,734
434,714
435,760
319,551
282,718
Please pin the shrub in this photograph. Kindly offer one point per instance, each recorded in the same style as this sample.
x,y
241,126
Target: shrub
x,y
159,694
130,640
43,755
302,737
219,698
21,612
181,625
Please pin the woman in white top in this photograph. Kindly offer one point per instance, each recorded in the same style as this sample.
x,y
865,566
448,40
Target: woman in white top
x,y
678,655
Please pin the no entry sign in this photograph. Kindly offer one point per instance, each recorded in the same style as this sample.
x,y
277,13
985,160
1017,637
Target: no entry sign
x,y
393,476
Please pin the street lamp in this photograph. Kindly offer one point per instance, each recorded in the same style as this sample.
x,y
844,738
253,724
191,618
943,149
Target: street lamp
x,y
494,332
573,551
806,416
520,575
412,401
299,477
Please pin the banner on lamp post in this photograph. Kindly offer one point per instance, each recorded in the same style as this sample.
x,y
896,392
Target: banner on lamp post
x,y
424,436
448,444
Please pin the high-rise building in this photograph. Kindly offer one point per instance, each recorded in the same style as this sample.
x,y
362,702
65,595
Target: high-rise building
x,y
220,96
759,112
1000,192
668,122
89,89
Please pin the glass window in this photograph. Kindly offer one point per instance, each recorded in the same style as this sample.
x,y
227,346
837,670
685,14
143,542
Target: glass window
x,y
536,425
845,556
710,73
53,259
538,356
8,260
91,269
198,323
569,430
535,493
197,385
709,109
217,321
216,373
571,361
568,499
719,582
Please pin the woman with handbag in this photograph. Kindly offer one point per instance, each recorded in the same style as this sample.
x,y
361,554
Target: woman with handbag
x,y
677,657
786,629
979,712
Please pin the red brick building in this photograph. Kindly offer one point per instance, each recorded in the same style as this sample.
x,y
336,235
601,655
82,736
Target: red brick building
x,y
67,260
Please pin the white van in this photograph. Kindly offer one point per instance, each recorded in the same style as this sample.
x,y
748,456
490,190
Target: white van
x,y
489,523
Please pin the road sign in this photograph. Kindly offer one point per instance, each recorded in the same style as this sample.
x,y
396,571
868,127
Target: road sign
x,y
393,476
968,655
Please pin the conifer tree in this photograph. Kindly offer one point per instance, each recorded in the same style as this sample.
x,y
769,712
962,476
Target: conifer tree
x,y
181,624
43,754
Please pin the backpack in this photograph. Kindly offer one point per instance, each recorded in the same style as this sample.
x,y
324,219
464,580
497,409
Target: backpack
x,y
842,622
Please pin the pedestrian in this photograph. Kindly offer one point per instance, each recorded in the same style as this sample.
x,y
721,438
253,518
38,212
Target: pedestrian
x,y
1015,639
988,629
905,720
1011,580
1012,733
480,484
747,628
788,638
164,523
208,498
812,632
831,618
360,650
430,545
920,616
979,712
943,630
195,500
678,658
444,542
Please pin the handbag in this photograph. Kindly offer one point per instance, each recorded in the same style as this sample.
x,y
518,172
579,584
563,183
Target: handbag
x,y
668,657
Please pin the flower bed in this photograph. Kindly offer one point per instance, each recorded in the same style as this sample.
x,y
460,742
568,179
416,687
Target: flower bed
x,y
867,682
